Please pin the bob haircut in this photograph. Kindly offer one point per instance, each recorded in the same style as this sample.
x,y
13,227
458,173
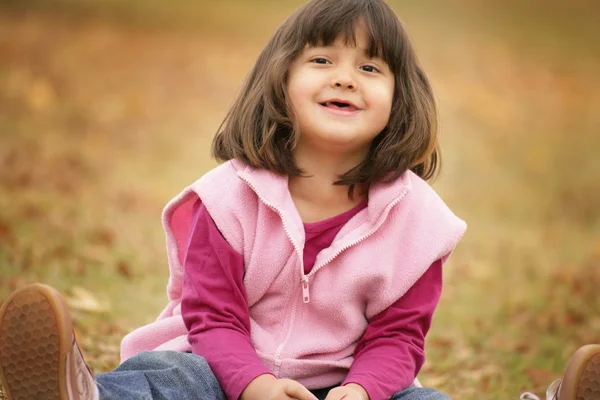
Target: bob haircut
x,y
259,128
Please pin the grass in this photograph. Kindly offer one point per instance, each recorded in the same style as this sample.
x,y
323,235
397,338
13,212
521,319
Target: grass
x,y
107,111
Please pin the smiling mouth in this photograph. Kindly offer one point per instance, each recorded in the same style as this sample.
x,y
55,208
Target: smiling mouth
x,y
338,105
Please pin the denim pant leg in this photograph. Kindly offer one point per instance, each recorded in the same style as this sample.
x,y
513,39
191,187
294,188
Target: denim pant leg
x,y
160,375
419,393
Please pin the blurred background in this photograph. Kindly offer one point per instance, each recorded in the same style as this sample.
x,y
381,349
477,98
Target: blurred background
x,y
108,108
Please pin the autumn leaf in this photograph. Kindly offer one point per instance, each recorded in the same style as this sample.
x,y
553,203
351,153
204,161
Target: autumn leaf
x,y
83,300
6,234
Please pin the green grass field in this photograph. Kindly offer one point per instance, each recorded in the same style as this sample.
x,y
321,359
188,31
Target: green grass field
x,y
107,110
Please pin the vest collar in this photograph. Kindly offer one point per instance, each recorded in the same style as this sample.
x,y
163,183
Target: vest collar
x,y
272,189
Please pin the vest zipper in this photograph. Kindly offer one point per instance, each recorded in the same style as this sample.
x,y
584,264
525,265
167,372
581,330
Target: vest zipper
x,y
285,227
279,349
305,278
305,290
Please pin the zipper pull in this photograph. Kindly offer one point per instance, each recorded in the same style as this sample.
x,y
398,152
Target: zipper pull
x,y
305,292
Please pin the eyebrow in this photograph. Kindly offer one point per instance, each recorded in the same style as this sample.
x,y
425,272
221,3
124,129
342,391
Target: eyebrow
x,y
365,50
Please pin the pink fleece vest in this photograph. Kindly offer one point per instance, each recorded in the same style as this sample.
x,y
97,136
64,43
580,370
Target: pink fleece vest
x,y
305,327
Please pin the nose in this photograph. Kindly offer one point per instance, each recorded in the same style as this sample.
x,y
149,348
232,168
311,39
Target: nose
x,y
343,79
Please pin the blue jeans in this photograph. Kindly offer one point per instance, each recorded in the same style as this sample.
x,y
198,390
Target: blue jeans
x,y
169,375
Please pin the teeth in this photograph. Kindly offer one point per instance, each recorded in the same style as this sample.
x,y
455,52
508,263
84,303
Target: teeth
x,y
340,105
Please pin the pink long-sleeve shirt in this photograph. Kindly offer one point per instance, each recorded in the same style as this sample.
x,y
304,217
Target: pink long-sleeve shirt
x,y
387,358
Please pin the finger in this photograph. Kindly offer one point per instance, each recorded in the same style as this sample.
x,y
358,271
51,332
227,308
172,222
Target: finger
x,y
339,396
336,394
298,391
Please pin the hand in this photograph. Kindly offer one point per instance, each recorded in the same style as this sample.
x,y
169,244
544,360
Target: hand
x,y
351,391
267,387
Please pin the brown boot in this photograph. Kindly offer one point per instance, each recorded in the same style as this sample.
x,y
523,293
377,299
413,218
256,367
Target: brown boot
x,y
581,380
39,357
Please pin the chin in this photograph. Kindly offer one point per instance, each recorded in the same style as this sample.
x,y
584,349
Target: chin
x,y
343,144
339,138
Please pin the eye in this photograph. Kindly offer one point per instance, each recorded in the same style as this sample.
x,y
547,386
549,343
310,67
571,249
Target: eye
x,y
319,60
369,68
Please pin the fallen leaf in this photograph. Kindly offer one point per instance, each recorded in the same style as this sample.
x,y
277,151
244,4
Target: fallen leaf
x,y
540,377
103,236
83,300
6,235
124,269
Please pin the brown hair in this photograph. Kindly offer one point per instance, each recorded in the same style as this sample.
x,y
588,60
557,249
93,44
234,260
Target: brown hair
x,y
259,127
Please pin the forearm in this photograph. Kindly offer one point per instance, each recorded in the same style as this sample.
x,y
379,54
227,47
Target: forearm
x,y
386,369
391,352
215,309
231,357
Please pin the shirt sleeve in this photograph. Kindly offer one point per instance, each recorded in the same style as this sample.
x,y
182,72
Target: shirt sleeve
x,y
214,306
390,353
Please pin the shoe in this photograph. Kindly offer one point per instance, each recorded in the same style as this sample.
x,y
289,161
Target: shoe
x,y
551,392
39,357
581,380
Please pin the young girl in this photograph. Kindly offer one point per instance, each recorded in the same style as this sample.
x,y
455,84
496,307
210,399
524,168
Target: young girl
x,y
309,264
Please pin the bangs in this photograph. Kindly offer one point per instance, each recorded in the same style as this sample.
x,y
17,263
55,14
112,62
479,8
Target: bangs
x,y
322,22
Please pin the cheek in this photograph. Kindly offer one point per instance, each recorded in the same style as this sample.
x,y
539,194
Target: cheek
x,y
297,93
305,84
303,90
382,105
298,100
382,98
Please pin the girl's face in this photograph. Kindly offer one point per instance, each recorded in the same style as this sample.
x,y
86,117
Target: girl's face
x,y
341,98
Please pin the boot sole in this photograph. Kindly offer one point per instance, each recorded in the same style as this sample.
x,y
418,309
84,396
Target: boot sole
x,y
582,376
35,337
